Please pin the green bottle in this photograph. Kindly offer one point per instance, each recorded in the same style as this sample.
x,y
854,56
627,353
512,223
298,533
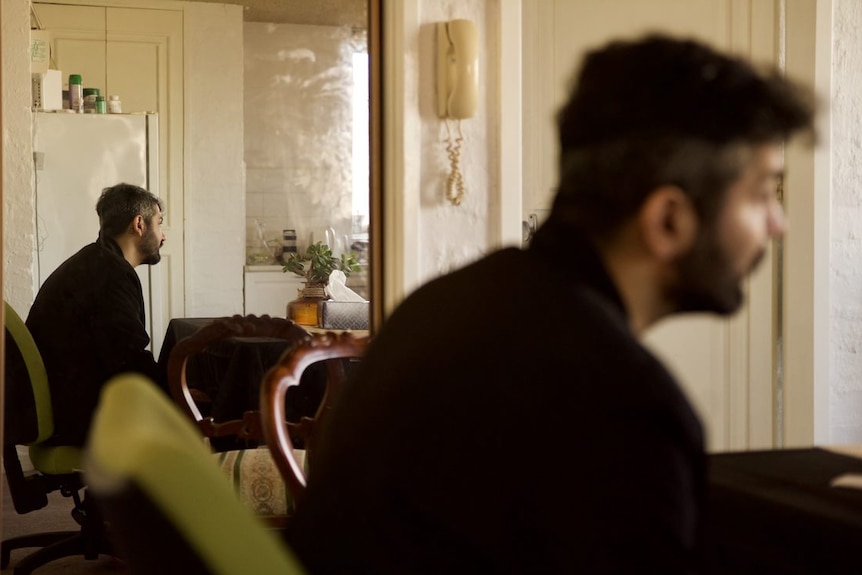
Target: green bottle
x,y
76,93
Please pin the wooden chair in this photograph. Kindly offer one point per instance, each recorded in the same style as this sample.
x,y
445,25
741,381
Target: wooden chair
x,y
329,347
246,430
251,470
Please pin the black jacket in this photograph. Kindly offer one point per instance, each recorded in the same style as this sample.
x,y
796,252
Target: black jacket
x,y
88,323
506,420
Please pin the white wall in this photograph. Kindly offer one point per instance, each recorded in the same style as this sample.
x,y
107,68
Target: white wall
x,y
298,102
19,201
214,180
846,242
452,236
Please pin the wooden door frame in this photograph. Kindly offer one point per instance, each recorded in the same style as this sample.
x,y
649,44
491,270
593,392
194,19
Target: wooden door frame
x,y
805,418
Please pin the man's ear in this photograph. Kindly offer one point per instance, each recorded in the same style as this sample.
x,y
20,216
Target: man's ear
x,y
668,223
138,226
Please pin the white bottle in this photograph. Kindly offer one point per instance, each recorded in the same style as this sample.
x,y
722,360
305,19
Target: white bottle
x,y
114,105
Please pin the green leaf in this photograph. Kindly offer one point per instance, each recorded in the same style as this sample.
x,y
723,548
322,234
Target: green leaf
x,y
321,264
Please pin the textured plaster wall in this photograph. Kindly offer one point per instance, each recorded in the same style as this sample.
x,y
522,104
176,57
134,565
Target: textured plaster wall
x,y
214,185
452,236
19,200
846,241
298,102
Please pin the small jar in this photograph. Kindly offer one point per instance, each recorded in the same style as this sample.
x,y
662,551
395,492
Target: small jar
x,y
288,244
114,105
90,95
305,308
101,105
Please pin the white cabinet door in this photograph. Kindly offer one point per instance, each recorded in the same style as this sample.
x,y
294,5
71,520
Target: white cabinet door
x,y
268,290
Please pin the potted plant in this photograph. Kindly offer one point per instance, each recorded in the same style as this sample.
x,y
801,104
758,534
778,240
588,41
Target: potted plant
x,y
315,265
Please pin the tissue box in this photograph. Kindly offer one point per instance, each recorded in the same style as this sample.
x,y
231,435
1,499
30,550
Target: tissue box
x,y
343,314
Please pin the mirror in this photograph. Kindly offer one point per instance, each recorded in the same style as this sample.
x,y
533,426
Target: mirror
x,y
305,126
20,272
306,142
241,159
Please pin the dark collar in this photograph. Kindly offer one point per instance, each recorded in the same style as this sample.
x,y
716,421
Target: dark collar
x,y
575,256
112,246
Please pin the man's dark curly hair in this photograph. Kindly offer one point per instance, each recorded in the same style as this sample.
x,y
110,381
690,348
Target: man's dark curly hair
x,y
659,111
120,204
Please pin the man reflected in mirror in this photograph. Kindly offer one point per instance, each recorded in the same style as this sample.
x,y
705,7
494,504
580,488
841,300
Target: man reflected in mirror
x,y
507,418
88,317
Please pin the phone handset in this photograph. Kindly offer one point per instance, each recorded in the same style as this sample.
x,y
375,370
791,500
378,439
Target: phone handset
x,y
457,91
457,69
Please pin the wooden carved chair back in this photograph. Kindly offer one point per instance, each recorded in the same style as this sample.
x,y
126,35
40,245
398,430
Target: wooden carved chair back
x,y
337,350
248,428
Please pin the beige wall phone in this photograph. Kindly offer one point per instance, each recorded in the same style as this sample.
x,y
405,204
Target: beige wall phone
x,y
457,69
457,90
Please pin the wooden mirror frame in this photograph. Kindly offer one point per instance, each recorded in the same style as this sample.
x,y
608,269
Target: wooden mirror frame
x,y
2,279
375,118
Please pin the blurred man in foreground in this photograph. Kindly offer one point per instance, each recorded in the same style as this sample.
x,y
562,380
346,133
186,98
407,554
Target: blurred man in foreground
x,y
507,419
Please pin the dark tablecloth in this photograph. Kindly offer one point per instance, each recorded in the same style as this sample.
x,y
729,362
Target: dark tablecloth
x,y
775,512
230,371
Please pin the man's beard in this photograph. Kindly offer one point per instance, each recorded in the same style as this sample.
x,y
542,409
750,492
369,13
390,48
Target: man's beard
x,y
153,259
151,247
707,281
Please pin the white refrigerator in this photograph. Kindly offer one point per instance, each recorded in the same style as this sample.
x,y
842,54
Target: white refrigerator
x,y
76,156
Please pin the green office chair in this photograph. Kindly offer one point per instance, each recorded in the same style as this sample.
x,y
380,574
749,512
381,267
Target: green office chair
x,y
28,420
170,507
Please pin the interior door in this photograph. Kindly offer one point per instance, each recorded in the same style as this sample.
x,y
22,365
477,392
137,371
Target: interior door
x,y
725,366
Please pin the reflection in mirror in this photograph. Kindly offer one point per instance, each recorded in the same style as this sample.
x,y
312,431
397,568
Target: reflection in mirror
x,y
305,128
289,86
306,141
